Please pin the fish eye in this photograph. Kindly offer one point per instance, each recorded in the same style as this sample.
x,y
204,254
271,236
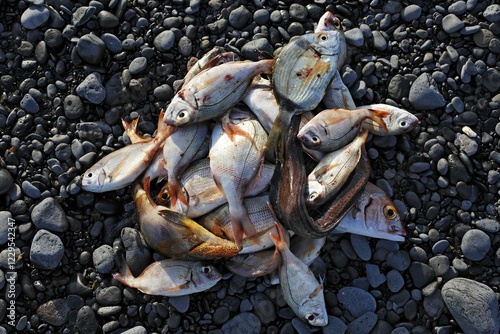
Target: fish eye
x,y
181,115
390,212
403,124
336,23
324,37
315,139
206,269
310,317
90,174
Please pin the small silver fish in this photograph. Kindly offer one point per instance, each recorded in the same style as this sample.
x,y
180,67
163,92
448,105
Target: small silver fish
x,y
170,278
373,215
331,173
212,92
212,58
121,167
301,290
236,156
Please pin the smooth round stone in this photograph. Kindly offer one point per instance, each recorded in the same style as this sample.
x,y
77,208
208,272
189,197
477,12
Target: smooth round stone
x,y
491,79
185,46
395,281
240,17
136,330
46,250
109,296
138,65
55,312
107,20
355,37
457,8
163,92
53,38
451,23
440,246
30,190
492,13
91,89
254,49
357,301
361,246
112,42
363,324
263,307
475,244
35,16
424,94
488,225
91,49
164,41
261,16
86,320
473,305
410,13
6,181
245,322
298,12
29,104
73,106
49,215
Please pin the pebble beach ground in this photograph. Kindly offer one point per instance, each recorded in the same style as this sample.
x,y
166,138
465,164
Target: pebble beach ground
x,y
70,70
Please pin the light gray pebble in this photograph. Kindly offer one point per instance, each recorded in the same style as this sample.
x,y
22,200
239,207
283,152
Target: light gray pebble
x,y
451,23
49,215
488,225
460,265
475,244
30,190
112,42
46,250
103,258
410,13
361,246
255,49
492,13
473,305
185,46
35,16
164,41
355,37
73,107
29,104
357,301
82,15
180,303
136,330
107,20
91,89
375,277
424,94
111,295
362,324
242,323
457,8
138,65
55,312
440,264
6,222
395,281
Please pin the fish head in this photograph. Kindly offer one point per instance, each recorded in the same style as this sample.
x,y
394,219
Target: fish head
x,y
314,192
94,178
328,22
179,111
205,275
327,43
310,135
402,122
314,312
383,218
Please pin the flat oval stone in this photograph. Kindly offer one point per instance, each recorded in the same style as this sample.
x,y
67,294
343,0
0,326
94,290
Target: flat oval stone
x,y
46,250
35,16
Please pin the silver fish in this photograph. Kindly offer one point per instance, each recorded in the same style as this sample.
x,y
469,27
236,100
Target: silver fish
x,y
373,215
301,290
329,22
179,150
236,156
332,129
169,277
337,95
121,167
212,58
212,92
202,192
219,223
306,249
255,264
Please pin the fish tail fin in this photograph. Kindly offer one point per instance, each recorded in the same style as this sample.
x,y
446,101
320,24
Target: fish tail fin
x,y
280,240
274,141
178,198
124,275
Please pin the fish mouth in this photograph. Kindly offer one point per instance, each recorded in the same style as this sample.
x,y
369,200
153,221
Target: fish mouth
x,y
304,139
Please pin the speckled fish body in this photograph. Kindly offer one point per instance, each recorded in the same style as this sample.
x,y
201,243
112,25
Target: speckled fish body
x,y
301,290
332,129
179,150
301,73
219,223
170,278
255,264
212,58
203,193
306,249
121,167
373,215
261,100
175,235
212,92
236,157
332,172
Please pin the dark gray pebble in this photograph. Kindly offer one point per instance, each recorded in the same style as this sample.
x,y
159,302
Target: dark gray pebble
x,y
355,37
244,323
107,20
475,244
164,41
46,250
86,320
138,65
91,89
421,274
91,49
261,16
357,301
103,258
29,104
54,312
109,296
362,324
82,15
6,181
73,107
263,307
49,215
424,94
221,315
240,17
136,250
112,42
30,190
395,281
181,303
440,264
256,49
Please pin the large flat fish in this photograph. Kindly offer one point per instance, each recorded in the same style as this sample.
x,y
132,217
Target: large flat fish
x,y
373,215
170,278
213,92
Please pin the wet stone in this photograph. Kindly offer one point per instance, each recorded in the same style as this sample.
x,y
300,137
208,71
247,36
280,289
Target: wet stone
x,y
46,250
49,215
475,244
103,259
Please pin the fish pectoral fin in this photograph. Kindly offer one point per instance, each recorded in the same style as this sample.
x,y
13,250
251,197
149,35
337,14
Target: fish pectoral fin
x,y
176,288
233,130
316,291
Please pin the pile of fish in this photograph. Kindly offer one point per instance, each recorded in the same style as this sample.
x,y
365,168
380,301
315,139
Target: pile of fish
x,y
257,163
